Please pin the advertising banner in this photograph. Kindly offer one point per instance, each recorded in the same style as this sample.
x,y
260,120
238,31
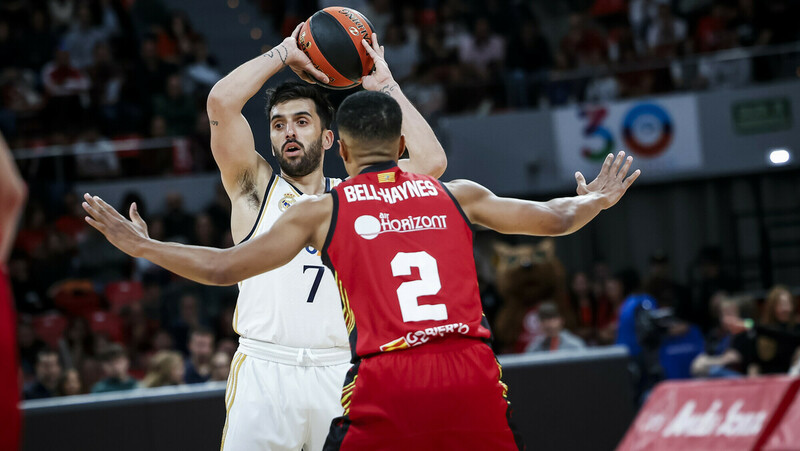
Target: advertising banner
x,y
662,134
786,435
711,415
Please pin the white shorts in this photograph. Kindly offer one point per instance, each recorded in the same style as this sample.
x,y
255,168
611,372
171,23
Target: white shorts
x,y
281,398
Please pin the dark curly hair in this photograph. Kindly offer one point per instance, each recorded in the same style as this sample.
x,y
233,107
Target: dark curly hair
x,y
292,90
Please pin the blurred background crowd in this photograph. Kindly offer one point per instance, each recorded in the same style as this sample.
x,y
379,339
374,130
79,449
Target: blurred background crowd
x,y
79,78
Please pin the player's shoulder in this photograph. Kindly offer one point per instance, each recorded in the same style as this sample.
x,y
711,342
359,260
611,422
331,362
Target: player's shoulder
x,y
466,190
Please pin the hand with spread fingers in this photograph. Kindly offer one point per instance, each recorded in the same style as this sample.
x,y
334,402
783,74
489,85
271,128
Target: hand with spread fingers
x,y
298,61
381,78
126,235
611,183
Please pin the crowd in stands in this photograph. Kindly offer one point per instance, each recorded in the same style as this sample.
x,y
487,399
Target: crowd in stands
x,y
456,55
91,319
89,70
706,328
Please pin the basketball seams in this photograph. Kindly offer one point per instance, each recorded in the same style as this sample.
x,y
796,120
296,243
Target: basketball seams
x,y
311,49
341,16
332,46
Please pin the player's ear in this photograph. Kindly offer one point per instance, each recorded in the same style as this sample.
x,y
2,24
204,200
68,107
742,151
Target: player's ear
x,y
343,152
327,139
401,146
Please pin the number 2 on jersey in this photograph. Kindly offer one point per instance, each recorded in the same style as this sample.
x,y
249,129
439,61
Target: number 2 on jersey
x,y
317,279
427,285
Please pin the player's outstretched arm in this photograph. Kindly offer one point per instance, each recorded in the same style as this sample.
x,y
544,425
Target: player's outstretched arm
x,y
231,137
555,217
12,198
306,223
426,155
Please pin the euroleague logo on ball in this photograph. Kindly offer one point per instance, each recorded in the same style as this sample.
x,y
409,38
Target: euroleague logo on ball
x,y
353,31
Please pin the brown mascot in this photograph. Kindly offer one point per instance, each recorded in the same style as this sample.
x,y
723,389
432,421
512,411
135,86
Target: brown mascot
x,y
526,276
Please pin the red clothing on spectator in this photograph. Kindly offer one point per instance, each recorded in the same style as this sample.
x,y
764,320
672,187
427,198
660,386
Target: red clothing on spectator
x,y
9,382
29,240
71,226
708,32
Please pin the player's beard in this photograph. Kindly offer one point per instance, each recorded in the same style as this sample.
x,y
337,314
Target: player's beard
x,y
306,164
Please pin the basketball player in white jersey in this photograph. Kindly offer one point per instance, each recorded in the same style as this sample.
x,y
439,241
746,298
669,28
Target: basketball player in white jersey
x,y
285,382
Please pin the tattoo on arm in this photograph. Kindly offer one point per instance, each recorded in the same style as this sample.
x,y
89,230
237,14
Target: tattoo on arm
x,y
389,88
215,123
277,50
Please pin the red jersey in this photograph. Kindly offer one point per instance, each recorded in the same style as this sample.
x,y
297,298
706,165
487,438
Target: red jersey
x,y
400,248
9,381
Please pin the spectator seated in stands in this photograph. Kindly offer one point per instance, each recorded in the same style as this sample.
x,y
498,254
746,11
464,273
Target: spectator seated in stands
x,y
166,368
727,346
220,366
667,34
776,339
48,373
115,366
201,349
555,337
176,107
70,383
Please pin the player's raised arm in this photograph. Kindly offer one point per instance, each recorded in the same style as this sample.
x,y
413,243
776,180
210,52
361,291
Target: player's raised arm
x,y
555,217
305,224
426,155
231,138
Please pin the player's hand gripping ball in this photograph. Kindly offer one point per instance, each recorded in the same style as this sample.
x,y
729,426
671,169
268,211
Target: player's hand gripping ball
x,y
331,38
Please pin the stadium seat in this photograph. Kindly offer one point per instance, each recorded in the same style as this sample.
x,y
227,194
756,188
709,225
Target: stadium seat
x,y
76,296
123,293
107,323
49,327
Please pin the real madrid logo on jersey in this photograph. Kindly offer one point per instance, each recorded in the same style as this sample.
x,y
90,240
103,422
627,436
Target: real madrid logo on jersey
x,y
286,201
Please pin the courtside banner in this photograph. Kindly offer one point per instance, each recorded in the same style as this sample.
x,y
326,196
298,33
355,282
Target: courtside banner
x,y
786,435
711,415
662,134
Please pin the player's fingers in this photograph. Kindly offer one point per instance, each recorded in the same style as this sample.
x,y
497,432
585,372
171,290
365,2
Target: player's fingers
x,y
296,31
370,51
375,44
581,183
625,168
97,225
629,181
305,77
109,209
617,163
91,210
89,199
93,202
310,70
133,212
606,165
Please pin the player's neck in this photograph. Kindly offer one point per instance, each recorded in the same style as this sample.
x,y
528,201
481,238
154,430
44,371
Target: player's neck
x,y
312,183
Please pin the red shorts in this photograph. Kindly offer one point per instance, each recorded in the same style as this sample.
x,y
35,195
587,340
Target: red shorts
x,y
9,382
438,396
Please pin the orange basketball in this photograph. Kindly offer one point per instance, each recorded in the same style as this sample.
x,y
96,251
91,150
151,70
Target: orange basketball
x,y
332,40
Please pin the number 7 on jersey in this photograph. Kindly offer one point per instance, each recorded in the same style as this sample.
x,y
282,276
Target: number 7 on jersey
x,y
317,280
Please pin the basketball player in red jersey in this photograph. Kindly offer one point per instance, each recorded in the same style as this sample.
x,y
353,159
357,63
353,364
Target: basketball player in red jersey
x,y
12,198
400,245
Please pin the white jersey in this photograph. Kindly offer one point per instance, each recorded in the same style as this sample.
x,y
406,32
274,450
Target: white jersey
x,y
298,304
